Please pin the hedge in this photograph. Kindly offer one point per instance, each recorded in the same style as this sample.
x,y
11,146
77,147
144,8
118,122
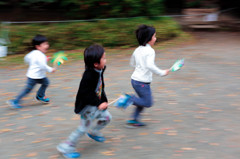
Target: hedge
x,y
109,33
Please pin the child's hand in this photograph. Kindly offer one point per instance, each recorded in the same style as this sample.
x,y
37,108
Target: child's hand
x,y
103,106
54,70
167,72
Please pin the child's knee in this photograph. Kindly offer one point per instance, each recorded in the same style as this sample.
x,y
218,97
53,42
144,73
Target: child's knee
x,y
103,122
28,89
46,82
109,117
149,103
106,120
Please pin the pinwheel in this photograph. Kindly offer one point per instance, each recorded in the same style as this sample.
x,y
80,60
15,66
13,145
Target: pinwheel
x,y
177,65
58,58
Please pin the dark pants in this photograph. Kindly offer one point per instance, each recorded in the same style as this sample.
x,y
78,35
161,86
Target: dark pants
x,y
30,85
144,98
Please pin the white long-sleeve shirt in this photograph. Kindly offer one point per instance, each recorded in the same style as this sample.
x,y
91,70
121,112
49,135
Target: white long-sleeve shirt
x,y
143,60
37,65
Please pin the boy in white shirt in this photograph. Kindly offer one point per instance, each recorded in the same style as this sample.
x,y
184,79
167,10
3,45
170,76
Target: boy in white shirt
x,y
36,73
143,60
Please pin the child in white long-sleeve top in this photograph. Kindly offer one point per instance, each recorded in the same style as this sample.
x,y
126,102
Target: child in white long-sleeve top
x,y
36,73
143,60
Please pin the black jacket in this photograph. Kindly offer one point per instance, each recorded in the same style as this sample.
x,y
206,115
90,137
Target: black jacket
x,y
86,93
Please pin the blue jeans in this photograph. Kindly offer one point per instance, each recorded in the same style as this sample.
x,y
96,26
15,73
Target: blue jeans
x,y
144,98
88,116
30,85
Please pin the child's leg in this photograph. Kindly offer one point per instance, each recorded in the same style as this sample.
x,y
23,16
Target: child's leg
x,y
144,98
42,89
144,93
137,112
103,118
30,85
69,145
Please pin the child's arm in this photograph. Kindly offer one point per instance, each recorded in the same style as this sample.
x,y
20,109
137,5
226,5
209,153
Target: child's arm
x,y
132,61
103,106
151,65
43,64
26,59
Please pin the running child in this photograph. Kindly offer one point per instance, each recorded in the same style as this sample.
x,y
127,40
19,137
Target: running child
x,y
143,60
36,73
91,102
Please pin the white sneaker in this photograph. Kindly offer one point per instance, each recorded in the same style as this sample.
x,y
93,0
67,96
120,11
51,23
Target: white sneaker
x,y
66,148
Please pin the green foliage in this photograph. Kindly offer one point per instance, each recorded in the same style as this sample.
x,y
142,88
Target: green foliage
x,y
194,4
88,9
3,3
109,33
154,7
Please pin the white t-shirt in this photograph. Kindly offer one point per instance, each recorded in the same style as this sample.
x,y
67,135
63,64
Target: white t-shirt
x,y
37,64
143,60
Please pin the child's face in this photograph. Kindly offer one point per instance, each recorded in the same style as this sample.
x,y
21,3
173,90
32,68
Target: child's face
x,y
102,63
153,40
43,47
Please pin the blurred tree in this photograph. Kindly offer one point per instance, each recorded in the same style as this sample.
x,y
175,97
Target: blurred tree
x,y
174,6
87,9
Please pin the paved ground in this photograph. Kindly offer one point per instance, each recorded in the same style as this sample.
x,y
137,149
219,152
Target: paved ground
x,y
195,115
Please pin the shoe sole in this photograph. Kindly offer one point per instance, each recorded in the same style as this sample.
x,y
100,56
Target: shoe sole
x,y
10,104
41,101
60,150
63,155
130,126
95,139
134,126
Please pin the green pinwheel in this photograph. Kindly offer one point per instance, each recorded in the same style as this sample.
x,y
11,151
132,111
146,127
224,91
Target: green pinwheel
x,y
58,58
177,65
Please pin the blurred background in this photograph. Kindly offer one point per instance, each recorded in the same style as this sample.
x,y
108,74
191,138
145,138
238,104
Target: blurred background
x,y
196,110
108,22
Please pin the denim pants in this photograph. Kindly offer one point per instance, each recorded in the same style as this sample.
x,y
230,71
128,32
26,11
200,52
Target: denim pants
x,y
144,98
30,85
88,116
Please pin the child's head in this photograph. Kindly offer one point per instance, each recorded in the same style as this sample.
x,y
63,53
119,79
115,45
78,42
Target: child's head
x,y
94,57
145,34
40,42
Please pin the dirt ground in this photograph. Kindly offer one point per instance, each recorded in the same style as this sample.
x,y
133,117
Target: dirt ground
x,y
195,113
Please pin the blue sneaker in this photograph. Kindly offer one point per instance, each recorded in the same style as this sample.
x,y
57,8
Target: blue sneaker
x,y
124,101
97,138
71,155
135,124
68,150
42,99
14,104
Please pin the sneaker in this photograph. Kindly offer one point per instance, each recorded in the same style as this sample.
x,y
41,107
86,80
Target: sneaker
x,y
14,104
42,99
66,147
71,155
97,138
123,102
135,124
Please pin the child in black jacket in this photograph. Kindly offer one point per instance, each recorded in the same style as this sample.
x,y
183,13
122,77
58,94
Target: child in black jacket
x,y
91,102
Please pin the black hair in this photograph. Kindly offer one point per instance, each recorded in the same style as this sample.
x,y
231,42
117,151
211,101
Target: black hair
x,y
92,55
144,34
38,39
